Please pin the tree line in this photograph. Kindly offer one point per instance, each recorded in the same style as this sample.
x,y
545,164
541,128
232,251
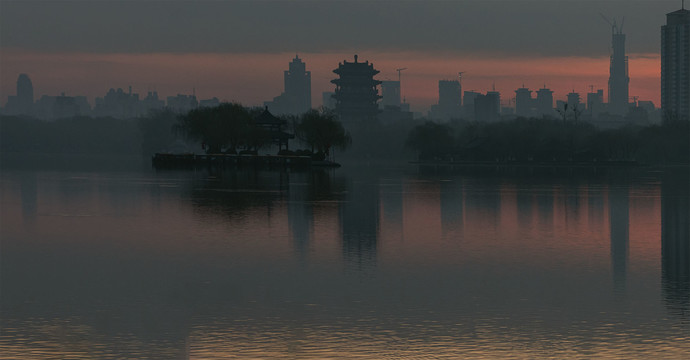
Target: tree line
x,y
229,128
549,140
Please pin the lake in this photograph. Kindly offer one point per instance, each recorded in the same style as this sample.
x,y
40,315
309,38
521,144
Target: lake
x,y
111,259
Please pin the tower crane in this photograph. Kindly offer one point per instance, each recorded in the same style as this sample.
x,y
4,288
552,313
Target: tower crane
x,y
400,70
460,77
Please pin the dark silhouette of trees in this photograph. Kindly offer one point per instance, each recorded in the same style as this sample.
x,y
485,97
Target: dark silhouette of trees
x,y
71,135
545,140
321,131
225,126
431,140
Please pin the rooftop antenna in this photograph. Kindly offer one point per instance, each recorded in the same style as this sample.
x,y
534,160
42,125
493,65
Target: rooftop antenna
x,y
591,88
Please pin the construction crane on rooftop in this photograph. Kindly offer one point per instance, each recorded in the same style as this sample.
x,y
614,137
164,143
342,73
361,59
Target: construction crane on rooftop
x,y
615,29
460,76
400,70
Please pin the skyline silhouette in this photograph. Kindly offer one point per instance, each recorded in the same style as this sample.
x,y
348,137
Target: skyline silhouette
x,y
563,55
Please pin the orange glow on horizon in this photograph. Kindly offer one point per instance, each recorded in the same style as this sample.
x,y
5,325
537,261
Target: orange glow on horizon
x,y
254,78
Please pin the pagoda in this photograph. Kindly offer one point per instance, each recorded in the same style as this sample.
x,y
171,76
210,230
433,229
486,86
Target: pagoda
x,y
355,92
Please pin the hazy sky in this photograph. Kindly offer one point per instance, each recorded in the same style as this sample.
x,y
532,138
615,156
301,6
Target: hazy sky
x,y
68,43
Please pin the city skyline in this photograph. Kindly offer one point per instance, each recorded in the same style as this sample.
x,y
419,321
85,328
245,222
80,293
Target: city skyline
x,y
252,75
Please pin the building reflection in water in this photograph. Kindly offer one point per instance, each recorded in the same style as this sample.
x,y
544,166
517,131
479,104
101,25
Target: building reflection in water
x,y
675,242
595,208
524,198
483,203
29,196
392,202
545,207
452,206
300,214
619,222
359,221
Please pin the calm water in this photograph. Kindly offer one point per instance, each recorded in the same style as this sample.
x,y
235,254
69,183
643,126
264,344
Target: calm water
x,y
367,262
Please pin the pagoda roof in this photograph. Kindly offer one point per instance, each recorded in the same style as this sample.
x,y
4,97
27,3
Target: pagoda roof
x,y
266,118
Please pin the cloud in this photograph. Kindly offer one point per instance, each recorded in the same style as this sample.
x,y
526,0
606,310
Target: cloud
x,y
544,28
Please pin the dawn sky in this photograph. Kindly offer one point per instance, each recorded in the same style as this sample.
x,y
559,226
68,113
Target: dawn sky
x,y
238,50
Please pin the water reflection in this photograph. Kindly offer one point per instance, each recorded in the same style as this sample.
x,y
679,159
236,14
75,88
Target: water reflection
x,y
359,222
451,203
259,264
618,225
29,195
675,242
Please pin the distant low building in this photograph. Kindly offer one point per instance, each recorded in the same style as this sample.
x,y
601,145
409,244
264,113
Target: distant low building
x,y
56,107
118,104
209,102
152,102
182,103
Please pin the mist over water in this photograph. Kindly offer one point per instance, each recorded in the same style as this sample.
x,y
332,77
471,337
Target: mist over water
x,y
368,261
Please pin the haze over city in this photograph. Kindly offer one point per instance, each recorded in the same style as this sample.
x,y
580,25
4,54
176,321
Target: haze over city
x,y
237,51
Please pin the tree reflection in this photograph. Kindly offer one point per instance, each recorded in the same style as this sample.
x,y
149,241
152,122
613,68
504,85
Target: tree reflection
x,y
675,241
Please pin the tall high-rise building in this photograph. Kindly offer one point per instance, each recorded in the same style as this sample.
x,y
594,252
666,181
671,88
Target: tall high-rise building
x,y
545,102
449,100
675,66
296,99
618,73
390,92
573,101
523,102
487,107
468,99
22,103
595,101
356,92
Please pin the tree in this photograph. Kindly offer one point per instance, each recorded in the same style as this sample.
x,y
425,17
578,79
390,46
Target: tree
x,y
227,125
431,140
321,130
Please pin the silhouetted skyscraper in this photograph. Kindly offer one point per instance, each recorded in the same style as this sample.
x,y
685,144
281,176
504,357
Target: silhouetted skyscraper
x,y
523,102
675,66
618,73
356,92
595,101
390,92
545,102
449,98
296,99
22,103
487,107
573,101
